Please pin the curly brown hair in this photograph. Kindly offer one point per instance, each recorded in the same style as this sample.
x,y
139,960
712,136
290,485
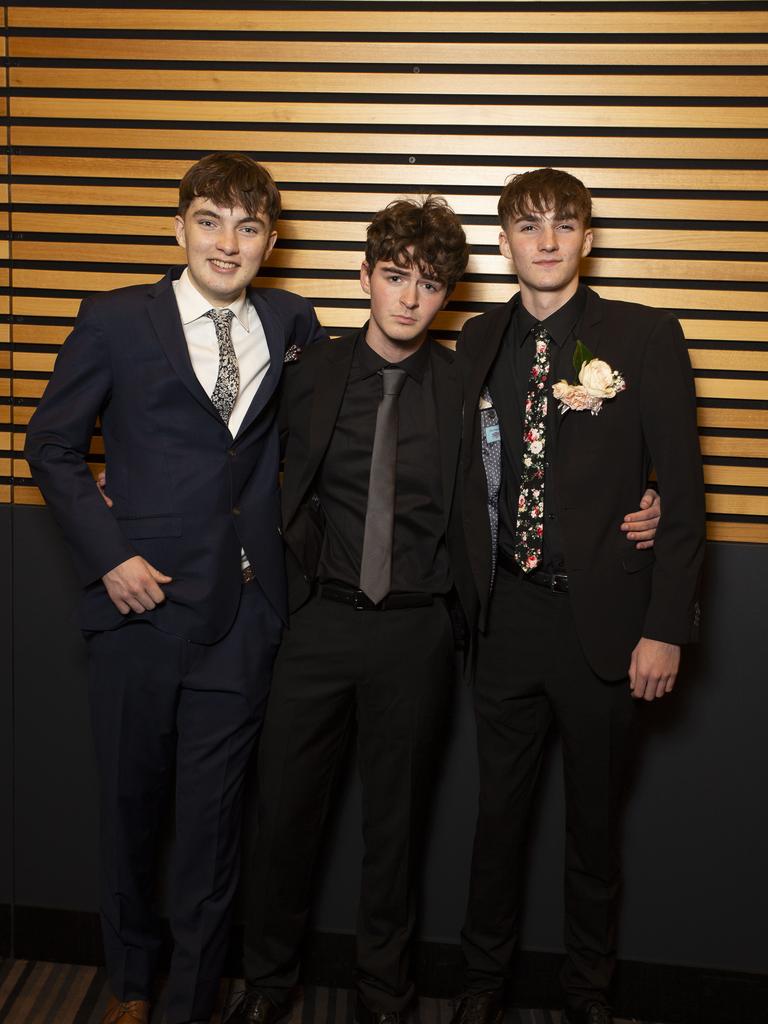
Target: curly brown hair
x,y
543,190
425,233
229,180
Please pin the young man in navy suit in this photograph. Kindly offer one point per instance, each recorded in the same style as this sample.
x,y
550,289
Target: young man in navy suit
x,y
576,625
184,594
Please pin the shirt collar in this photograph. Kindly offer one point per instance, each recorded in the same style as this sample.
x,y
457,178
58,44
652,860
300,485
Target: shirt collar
x,y
559,324
192,305
371,362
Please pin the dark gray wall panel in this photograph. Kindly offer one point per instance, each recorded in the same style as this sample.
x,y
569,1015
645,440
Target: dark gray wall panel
x,y
696,831
56,822
6,731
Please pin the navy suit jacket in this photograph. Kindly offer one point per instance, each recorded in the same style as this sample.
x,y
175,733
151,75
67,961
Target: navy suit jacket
x,y
618,593
187,496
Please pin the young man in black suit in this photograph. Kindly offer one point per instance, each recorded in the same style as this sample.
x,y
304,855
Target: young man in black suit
x,y
184,593
576,625
372,423
370,587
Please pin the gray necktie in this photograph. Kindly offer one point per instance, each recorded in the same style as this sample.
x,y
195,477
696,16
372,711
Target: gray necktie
x,y
376,564
227,385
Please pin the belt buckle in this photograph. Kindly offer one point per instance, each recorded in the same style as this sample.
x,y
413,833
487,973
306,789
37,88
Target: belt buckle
x,y
361,602
559,583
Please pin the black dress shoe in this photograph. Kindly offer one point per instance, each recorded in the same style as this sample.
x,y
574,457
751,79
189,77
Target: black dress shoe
x,y
479,1008
597,1013
254,1008
365,1015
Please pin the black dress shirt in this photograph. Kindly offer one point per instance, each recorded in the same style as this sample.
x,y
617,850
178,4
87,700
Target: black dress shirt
x,y
508,385
419,554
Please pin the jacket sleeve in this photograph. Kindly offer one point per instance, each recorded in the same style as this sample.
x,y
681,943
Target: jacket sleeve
x,y
58,439
668,410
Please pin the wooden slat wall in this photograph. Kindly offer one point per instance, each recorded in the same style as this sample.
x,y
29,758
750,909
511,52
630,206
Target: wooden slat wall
x,y
660,107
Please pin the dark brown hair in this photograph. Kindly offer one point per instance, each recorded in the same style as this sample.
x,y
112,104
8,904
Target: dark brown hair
x,y
229,180
542,190
427,226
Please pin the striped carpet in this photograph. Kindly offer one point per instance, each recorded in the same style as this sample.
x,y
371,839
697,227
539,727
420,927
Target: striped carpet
x,y
35,992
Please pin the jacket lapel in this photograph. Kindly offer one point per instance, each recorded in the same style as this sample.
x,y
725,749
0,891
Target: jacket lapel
x,y
591,335
164,316
274,332
327,396
446,387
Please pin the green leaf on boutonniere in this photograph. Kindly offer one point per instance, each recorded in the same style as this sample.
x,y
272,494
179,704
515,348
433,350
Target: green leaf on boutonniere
x,y
581,355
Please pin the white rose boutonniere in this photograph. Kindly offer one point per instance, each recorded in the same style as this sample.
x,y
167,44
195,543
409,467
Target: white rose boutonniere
x,y
597,383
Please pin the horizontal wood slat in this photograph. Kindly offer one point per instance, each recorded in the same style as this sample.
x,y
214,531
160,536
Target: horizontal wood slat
x,y
318,51
161,225
392,84
391,113
514,147
712,330
334,288
110,252
734,419
439,176
480,22
368,202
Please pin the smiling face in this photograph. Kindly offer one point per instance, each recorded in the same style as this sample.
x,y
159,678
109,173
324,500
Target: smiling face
x,y
225,248
404,302
546,251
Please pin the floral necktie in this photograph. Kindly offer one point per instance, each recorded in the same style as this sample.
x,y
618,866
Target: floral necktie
x,y
530,506
227,385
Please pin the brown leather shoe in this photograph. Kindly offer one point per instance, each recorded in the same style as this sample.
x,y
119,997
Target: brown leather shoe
x,y
131,1011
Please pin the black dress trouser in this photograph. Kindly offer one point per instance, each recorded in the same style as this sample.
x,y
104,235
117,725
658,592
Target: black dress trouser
x,y
531,670
390,672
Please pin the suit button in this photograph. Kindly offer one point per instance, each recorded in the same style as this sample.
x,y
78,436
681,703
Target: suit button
x,y
232,452
235,511
279,531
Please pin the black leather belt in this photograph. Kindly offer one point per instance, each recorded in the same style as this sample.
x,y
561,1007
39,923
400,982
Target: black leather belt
x,y
554,581
362,603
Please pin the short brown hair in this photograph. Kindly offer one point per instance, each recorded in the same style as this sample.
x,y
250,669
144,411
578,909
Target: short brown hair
x,y
229,180
542,190
427,226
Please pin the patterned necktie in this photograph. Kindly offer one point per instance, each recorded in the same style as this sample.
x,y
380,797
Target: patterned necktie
x,y
227,385
530,506
376,563
490,448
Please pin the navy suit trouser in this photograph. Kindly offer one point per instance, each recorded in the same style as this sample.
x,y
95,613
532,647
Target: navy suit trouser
x,y
172,717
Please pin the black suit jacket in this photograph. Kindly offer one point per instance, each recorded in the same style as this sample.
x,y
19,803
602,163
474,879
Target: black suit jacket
x,y
313,390
187,496
618,593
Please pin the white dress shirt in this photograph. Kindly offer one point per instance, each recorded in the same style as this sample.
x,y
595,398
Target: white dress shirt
x,y
248,339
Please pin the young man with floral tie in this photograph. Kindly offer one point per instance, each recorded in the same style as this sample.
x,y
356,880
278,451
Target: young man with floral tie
x,y
570,400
